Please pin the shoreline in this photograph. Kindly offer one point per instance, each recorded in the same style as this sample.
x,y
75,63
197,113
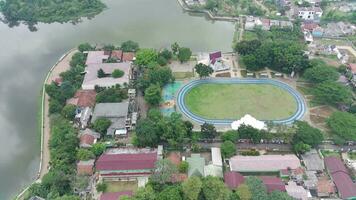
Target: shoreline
x,y
44,148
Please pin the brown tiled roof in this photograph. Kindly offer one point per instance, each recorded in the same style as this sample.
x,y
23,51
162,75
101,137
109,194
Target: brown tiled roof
x,y
175,158
86,139
85,167
116,54
352,67
325,186
233,179
273,183
83,98
128,56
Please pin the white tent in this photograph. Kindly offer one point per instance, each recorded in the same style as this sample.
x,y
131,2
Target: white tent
x,y
248,120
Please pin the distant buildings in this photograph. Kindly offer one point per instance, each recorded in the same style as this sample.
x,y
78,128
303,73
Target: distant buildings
x,y
309,13
195,2
215,60
265,24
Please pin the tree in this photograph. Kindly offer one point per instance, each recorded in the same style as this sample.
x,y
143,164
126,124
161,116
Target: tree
x,y
111,95
248,132
146,193
165,53
307,134
98,148
211,4
184,54
85,47
145,56
343,124
68,111
301,148
85,154
77,59
153,95
171,193
55,106
175,48
230,135
101,187
257,188
101,73
203,70
332,93
246,47
68,197
109,47
183,167
244,192
208,131
117,73
228,149
101,125
164,169
278,195
215,189
160,75
191,188
321,73
129,46
147,133
162,61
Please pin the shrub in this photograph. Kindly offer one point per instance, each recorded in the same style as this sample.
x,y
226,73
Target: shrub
x,y
117,73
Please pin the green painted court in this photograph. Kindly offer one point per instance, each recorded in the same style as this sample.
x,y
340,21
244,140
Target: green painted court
x,y
233,101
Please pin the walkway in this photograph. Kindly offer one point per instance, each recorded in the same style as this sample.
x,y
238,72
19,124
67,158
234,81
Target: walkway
x,y
301,106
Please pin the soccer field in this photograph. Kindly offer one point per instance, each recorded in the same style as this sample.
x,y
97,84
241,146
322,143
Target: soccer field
x,y
233,101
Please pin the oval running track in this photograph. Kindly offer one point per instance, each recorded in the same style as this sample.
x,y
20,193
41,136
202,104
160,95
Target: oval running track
x,y
301,107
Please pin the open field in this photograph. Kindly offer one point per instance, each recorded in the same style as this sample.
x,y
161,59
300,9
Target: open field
x,y
233,101
119,186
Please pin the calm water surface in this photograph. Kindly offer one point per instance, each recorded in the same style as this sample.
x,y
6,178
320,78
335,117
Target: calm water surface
x,y
25,58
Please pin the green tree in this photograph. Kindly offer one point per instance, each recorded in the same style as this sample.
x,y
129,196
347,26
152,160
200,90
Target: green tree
x,y
162,61
230,135
215,189
175,48
101,125
183,167
203,70
85,47
111,95
332,93
164,169
307,134
321,73
68,111
301,148
160,75
117,73
191,188
68,197
146,193
184,54
171,193
244,192
55,106
248,132
101,73
147,133
153,95
85,154
208,131
257,188
77,59
343,124
109,47
129,46
101,187
146,56
165,53
98,148
278,195
246,47
228,149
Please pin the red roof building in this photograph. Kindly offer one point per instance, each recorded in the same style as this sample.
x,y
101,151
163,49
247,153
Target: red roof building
x,y
128,56
352,67
85,167
175,158
87,138
117,54
83,98
126,162
273,183
341,177
233,179
115,195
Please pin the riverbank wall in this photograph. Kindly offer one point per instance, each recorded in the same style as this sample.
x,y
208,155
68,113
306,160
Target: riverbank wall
x,y
41,168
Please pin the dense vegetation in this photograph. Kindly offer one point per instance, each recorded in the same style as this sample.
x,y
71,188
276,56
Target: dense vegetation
x,y
234,7
343,125
49,11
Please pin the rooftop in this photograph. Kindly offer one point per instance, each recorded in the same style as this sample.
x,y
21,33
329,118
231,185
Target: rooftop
x,y
110,110
96,57
233,179
313,161
296,191
264,163
273,183
85,167
196,165
83,98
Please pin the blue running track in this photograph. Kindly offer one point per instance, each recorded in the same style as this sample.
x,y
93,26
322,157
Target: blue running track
x,y
301,107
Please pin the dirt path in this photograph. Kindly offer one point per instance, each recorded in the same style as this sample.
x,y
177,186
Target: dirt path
x,y
61,66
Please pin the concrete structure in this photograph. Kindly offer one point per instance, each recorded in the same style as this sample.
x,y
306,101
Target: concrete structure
x,y
296,191
264,163
325,187
309,13
312,161
266,24
87,138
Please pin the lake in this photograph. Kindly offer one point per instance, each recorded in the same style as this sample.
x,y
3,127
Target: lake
x,y
26,57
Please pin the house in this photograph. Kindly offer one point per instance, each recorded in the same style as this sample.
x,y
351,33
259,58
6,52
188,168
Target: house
x,y
85,167
215,167
263,163
83,98
273,183
296,191
87,138
96,57
127,164
117,54
325,187
309,13
196,165
115,195
83,116
233,180
117,113
128,56
341,177
312,161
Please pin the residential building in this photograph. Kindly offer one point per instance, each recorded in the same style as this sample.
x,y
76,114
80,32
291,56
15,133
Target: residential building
x,y
127,164
263,163
233,179
296,191
214,168
341,177
273,183
309,13
115,195
325,187
83,98
85,167
117,113
83,116
265,24
87,138
196,165
312,161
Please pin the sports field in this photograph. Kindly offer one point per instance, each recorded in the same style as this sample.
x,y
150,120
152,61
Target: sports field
x,y
232,101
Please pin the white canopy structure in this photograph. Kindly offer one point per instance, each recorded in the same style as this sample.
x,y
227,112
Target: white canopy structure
x,y
248,120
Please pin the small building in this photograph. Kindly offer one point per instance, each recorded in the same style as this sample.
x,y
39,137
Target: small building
x,y
87,138
214,168
128,57
85,167
196,165
325,187
83,98
117,113
312,161
117,54
309,13
82,117
273,183
296,191
233,180
263,163
115,195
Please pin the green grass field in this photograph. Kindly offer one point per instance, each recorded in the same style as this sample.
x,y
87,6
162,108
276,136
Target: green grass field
x,y
233,101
